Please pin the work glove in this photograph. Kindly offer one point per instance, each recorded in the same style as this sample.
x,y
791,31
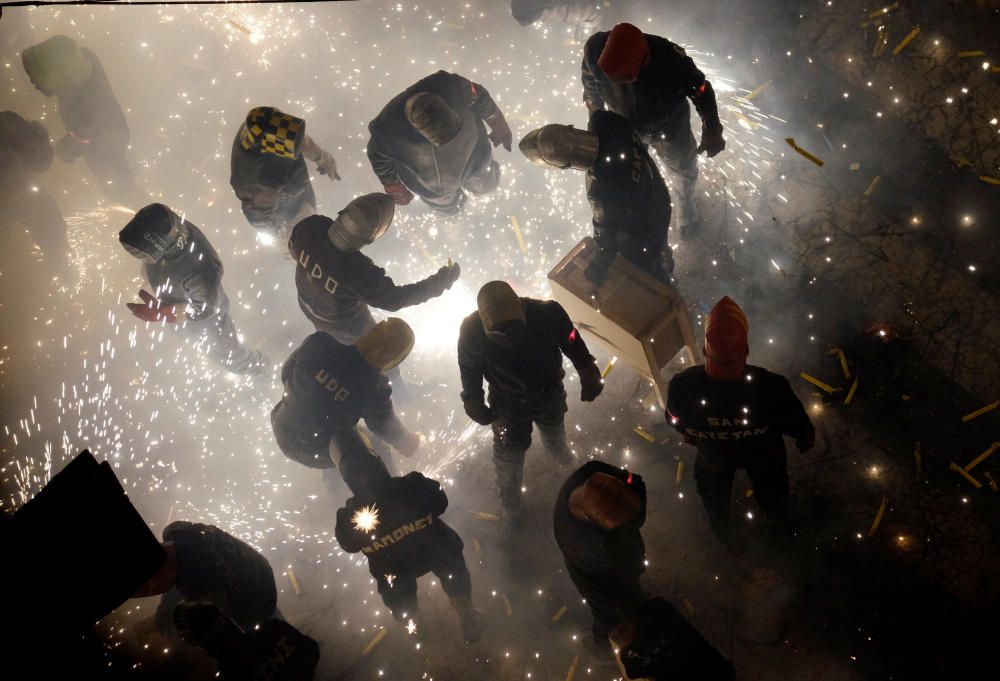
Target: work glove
x,y
399,193
152,310
410,447
711,141
591,383
326,164
448,275
806,442
479,412
499,131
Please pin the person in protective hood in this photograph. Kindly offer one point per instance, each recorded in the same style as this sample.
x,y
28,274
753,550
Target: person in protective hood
x,y
96,129
736,415
336,282
329,387
648,80
517,345
185,273
584,15
430,141
395,522
598,514
629,199
25,153
206,564
268,170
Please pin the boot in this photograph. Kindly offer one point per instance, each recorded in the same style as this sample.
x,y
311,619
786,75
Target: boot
x,y
472,628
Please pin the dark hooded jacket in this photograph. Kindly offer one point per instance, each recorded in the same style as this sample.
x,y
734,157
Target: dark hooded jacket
x,y
528,371
660,89
91,113
602,560
729,421
399,153
334,285
410,536
251,169
24,150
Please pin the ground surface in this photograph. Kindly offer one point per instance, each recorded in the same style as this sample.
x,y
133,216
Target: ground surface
x,y
817,256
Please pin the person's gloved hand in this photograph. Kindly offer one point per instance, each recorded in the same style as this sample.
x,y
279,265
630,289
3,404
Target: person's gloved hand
x,y
327,165
68,149
499,130
152,310
712,141
399,193
410,447
591,383
449,274
479,412
807,441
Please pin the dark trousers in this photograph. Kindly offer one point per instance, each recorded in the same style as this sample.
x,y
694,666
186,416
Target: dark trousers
x,y
768,474
676,146
401,595
607,606
512,437
217,338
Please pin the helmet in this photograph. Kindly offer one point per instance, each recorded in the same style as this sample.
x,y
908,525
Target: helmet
x,y
273,132
498,304
608,501
624,54
56,64
387,344
433,118
560,146
154,232
362,221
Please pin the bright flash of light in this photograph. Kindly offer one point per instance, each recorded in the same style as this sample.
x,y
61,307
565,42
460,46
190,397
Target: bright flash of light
x,y
411,627
366,518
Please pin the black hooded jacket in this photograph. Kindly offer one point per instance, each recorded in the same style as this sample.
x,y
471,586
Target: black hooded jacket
x,y
604,560
328,387
334,285
91,114
410,536
528,371
729,421
252,168
660,89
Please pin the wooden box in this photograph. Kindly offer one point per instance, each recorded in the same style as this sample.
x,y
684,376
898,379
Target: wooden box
x,y
635,317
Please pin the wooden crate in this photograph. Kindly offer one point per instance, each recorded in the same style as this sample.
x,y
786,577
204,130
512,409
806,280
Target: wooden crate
x,y
639,319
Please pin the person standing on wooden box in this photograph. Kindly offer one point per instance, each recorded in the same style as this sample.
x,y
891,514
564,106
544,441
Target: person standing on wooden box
x,y
736,415
627,194
517,345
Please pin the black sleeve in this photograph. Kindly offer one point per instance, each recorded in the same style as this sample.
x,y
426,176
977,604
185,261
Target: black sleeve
x,y
673,413
470,367
698,89
791,415
381,417
384,167
566,336
204,294
379,290
591,79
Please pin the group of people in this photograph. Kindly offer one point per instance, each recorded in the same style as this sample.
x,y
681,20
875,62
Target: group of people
x,y
435,140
